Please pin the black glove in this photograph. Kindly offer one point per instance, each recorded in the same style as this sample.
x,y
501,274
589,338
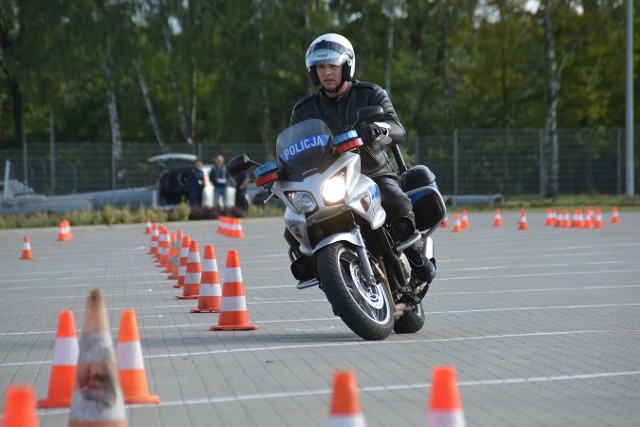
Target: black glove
x,y
369,133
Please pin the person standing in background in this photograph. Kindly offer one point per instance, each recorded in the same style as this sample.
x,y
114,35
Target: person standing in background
x,y
219,179
197,182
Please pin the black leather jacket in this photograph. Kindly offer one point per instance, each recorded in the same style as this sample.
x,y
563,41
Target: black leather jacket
x,y
340,113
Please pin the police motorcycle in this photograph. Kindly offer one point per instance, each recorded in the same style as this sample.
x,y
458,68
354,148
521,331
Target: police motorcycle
x,y
335,225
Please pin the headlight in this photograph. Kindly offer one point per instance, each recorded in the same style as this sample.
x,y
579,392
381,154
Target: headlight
x,y
334,189
302,201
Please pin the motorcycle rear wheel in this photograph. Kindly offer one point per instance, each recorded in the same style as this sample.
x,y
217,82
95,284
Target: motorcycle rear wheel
x,y
366,311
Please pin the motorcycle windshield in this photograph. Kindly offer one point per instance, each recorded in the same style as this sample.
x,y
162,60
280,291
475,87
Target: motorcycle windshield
x,y
304,149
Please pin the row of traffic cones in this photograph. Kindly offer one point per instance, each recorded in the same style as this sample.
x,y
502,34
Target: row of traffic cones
x,y
199,279
592,219
445,406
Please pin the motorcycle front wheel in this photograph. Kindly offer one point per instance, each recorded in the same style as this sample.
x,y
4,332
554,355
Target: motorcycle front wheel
x,y
365,309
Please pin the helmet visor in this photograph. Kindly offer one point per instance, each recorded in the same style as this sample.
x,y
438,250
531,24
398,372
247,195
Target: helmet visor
x,y
328,52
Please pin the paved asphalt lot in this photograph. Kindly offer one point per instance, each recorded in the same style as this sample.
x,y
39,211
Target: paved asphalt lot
x,y
541,325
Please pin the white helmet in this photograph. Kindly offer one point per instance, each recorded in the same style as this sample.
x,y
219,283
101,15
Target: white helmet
x,y
331,49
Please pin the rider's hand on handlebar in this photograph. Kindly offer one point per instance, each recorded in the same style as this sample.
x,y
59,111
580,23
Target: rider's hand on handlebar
x,y
369,133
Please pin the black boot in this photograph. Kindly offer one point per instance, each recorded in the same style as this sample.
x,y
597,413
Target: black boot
x,y
421,267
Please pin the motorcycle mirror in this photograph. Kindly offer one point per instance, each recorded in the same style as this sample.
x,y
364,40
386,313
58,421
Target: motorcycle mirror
x,y
239,163
369,114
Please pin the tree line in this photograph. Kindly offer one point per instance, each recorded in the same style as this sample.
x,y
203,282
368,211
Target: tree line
x,y
181,72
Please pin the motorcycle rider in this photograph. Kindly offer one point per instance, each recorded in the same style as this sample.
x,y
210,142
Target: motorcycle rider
x,y
330,62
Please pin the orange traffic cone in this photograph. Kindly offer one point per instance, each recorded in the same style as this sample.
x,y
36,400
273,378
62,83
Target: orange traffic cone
x,y
155,233
465,220
193,275
235,228
345,410
457,228
171,252
26,249
445,222
551,219
588,218
62,232
20,408
164,241
223,225
97,398
558,222
233,308
129,361
184,259
445,407
65,359
597,223
175,261
522,223
615,215
149,228
565,218
497,219
210,295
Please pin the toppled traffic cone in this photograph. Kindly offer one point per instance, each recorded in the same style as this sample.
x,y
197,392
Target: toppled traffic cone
x,y
457,228
97,398
193,275
210,295
233,308
184,259
345,410
26,249
149,228
129,361
65,359
615,215
464,223
20,408
445,407
522,223
497,218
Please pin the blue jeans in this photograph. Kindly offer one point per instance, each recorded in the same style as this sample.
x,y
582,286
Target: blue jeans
x,y
218,193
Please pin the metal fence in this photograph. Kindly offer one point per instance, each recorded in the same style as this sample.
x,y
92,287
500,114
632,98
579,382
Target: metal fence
x,y
467,162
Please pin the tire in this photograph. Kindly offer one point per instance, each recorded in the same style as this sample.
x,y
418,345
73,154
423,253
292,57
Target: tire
x,y
411,321
367,313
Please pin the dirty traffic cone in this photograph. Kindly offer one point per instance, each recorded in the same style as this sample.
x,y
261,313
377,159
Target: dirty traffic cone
x,y
457,228
129,361
97,398
65,359
20,408
149,228
184,259
345,410
210,295
615,215
26,249
233,308
522,223
445,407
193,275
497,218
